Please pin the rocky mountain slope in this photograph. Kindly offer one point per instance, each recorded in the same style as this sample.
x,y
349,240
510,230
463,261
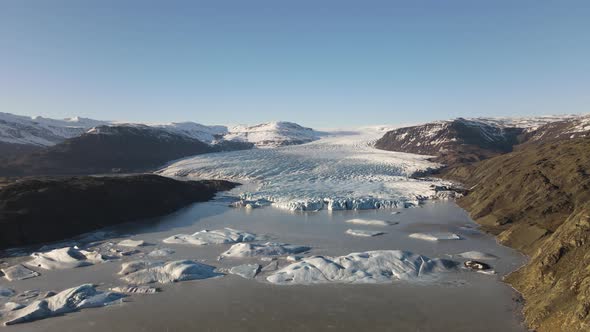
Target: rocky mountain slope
x,y
459,141
107,149
537,200
49,209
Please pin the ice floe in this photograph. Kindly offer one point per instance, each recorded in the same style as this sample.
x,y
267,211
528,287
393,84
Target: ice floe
x,y
72,299
6,292
363,232
7,307
205,237
263,249
136,289
379,266
476,255
247,271
65,258
161,252
147,272
19,272
337,172
439,236
131,243
370,222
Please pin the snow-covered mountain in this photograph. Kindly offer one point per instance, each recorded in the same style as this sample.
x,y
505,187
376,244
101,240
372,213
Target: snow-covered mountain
x,y
272,134
39,131
43,132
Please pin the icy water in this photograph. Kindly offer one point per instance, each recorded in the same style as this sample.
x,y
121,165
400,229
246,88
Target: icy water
x,y
458,301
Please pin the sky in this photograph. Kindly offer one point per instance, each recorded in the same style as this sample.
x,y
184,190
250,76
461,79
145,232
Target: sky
x,y
319,63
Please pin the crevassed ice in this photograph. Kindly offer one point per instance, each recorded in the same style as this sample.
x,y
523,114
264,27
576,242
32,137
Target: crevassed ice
x,y
338,172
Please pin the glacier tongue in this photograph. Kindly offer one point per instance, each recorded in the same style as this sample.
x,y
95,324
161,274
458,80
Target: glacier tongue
x,y
337,172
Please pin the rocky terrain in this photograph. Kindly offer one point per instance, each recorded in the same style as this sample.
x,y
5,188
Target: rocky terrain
x,y
537,200
455,141
112,149
461,141
49,209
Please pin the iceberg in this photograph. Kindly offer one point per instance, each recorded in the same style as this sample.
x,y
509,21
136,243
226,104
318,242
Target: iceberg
x,y
135,289
247,271
370,222
205,237
435,236
379,266
131,243
241,250
19,272
363,233
147,272
69,300
65,258
477,255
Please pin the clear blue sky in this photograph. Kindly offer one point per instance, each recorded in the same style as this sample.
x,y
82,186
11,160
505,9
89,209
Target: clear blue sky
x,y
319,63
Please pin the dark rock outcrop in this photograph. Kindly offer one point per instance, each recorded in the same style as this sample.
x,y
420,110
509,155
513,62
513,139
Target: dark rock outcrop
x,y
49,209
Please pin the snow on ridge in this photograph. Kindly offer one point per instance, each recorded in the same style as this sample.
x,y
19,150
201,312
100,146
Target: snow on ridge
x,y
272,134
336,172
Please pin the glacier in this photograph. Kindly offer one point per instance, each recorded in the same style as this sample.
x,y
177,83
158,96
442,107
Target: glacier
x,y
339,171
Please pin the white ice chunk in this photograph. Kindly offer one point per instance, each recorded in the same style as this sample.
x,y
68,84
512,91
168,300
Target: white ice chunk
x,y
263,249
435,236
131,243
477,255
136,289
218,236
370,222
84,296
247,271
19,272
379,266
65,258
162,252
143,272
363,232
